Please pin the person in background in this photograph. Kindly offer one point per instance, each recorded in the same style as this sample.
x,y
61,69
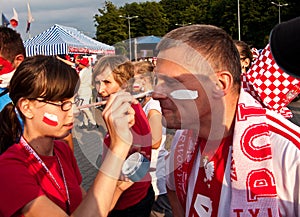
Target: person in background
x,y
72,61
85,93
77,57
143,81
111,75
294,106
46,179
245,54
231,156
12,53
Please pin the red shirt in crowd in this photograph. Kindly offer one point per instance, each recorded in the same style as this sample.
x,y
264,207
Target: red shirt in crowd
x,y
23,178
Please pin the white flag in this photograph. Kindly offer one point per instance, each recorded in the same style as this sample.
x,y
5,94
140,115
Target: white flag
x,y
29,18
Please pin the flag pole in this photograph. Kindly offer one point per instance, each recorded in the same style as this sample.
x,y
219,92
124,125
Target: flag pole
x,y
29,20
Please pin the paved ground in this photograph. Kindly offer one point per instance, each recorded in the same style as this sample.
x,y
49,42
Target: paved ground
x,y
88,151
88,148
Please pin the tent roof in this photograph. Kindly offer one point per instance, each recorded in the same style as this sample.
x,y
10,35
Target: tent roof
x,y
148,39
60,39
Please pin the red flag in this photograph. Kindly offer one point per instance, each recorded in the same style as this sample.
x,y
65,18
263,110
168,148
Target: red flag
x,y
29,18
14,21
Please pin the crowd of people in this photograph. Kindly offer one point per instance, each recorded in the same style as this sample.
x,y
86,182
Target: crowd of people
x,y
235,151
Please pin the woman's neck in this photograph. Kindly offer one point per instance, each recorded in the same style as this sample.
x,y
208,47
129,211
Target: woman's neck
x,y
41,145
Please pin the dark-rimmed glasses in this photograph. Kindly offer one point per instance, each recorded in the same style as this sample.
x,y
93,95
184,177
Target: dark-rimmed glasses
x,y
65,106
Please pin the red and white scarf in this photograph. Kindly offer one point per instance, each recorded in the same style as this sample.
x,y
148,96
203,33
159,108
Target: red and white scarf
x,y
253,187
253,183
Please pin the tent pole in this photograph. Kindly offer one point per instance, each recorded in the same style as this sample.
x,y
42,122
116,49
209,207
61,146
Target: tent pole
x,y
135,49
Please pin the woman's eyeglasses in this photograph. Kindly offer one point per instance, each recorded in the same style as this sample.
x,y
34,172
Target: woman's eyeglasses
x,y
65,106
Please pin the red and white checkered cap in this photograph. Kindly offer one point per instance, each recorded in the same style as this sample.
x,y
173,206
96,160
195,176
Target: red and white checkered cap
x,y
269,84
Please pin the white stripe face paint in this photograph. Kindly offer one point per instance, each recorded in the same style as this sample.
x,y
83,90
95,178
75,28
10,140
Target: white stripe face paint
x,y
184,94
50,119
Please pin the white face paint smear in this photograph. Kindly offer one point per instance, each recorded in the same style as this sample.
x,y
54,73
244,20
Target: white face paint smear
x,y
50,119
184,94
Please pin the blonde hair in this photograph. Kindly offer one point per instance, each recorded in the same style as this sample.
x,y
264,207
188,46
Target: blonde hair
x,y
142,67
120,65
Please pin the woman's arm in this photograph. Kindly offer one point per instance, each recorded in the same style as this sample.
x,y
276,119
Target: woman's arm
x,y
177,209
119,117
121,187
154,118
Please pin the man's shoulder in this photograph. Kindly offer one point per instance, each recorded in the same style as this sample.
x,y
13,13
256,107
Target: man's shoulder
x,y
283,129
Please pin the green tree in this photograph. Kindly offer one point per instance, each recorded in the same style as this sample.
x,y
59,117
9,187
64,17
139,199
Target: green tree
x,y
150,21
110,28
257,18
256,22
175,12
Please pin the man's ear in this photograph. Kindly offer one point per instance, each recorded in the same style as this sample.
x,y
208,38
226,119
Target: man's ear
x,y
18,59
225,81
25,107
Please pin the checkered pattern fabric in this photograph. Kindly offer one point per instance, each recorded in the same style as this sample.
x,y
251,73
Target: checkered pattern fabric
x,y
270,85
255,54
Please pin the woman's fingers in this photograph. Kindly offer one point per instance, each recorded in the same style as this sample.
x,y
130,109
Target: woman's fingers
x,y
119,116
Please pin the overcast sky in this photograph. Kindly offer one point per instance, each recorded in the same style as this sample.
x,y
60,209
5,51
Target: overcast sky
x,y
73,13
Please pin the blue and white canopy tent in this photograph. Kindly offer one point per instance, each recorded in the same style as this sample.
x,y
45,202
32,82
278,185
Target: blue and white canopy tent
x,y
60,39
145,46
151,39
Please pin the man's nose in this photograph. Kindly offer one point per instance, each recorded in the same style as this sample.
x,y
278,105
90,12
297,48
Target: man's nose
x,y
157,94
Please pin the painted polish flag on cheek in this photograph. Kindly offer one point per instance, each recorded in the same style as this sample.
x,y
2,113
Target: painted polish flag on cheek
x,y
50,119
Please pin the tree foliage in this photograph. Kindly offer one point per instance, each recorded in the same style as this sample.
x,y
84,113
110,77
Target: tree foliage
x,y
110,28
257,18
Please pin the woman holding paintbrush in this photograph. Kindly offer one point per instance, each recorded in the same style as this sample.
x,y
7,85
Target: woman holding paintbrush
x,y
39,173
111,75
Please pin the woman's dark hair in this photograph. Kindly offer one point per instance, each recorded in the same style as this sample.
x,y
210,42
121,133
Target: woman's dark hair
x,y
36,77
245,49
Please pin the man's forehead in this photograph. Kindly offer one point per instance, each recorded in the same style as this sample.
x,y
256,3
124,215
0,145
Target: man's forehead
x,y
185,60
172,54
170,68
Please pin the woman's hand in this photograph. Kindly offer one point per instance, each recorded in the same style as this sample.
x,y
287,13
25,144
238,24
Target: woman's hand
x,y
119,118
